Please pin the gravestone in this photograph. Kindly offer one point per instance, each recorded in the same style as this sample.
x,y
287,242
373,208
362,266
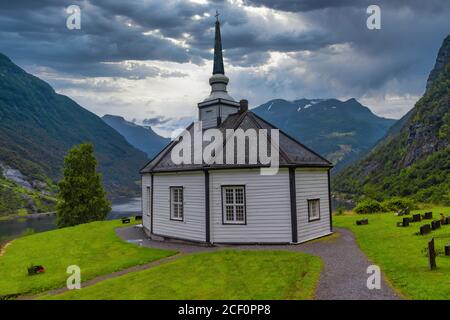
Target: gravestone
x,y
406,222
428,215
416,217
138,218
126,220
362,222
436,224
425,229
432,254
403,223
447,249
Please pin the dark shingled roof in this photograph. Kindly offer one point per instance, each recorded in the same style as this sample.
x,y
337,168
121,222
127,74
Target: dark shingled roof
x,y
291,152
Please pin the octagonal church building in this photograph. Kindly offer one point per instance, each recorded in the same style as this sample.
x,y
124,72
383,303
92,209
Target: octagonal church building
x,y
211,202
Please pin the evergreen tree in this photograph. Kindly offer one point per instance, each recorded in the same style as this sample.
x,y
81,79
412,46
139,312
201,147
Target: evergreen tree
x,y
81,195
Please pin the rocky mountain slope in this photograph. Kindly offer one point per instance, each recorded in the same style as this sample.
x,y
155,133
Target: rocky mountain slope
x,y
339,130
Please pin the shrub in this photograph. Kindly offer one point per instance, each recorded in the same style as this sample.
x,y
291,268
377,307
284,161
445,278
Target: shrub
x,y
397,204
339,211
369,206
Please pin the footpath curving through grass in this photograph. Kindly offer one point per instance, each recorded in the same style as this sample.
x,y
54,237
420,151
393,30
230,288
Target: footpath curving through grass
x,y
94,247
224,274
400,253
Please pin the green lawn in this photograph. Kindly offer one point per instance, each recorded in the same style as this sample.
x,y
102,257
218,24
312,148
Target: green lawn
x,y
225,274
399,252
94,247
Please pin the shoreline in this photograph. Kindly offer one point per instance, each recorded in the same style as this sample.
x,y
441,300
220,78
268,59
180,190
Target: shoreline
x,y
27,216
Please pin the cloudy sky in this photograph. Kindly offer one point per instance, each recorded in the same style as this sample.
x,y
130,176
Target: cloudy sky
x,y
147,59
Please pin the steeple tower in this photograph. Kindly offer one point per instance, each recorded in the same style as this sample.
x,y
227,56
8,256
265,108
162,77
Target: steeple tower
x,y
218,57
215,108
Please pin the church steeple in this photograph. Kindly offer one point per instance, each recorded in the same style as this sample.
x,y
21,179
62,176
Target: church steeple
x,y
219,104
218,57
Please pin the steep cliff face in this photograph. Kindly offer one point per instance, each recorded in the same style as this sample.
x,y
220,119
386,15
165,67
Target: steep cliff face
x,y
413,159
443,58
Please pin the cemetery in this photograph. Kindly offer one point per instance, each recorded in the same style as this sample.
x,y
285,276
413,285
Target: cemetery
x,y
411,248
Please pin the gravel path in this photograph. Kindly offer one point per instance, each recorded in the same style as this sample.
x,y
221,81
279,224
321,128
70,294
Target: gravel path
x,y
344,275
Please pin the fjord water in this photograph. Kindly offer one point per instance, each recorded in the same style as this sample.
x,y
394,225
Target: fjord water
x,y
15,227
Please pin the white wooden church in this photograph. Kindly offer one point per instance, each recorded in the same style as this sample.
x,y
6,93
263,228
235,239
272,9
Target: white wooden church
x,y
234,203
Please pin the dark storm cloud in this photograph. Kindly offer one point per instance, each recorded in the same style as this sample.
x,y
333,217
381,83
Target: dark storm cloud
x,y
398,57
38,34
303,5
311,5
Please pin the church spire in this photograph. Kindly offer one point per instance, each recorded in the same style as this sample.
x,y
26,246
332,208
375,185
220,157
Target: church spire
x,y
219,104
218,57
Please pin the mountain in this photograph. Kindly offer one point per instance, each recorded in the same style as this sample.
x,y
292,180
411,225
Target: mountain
x,y
339,130
142,138
414,159
38,127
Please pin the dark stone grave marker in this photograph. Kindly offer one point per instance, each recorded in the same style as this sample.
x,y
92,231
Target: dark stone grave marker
x,y
362,222
447,249
432,254
404,222
436,224
425,229
428,215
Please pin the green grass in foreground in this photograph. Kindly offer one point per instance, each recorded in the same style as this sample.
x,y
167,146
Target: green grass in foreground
x,y
225,274
94,247
399,252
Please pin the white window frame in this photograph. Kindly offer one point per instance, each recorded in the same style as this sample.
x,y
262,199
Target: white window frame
x,y
235,205
313,212
176,205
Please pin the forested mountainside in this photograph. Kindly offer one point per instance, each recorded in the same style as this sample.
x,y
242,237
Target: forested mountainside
x,y
413,160
38,126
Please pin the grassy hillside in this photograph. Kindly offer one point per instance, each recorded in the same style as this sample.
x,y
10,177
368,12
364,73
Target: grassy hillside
x,y
38,126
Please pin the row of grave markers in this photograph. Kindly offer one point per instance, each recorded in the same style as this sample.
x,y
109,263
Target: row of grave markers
x,y
426,229
423,230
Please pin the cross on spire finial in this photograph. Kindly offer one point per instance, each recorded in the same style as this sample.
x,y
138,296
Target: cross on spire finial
x,y
217,15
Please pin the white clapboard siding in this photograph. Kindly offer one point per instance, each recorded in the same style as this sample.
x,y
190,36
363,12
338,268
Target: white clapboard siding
x,y
267,205
193,226
312,184
208,116
146,183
